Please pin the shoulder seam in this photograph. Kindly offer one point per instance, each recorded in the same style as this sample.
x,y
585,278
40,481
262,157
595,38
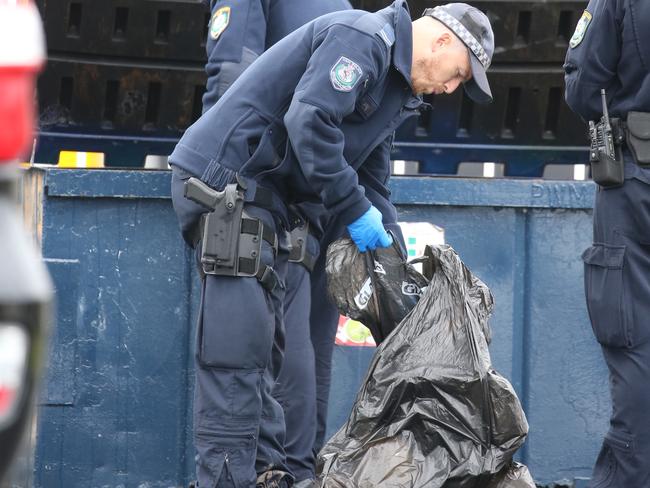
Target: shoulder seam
x,y
367,34
375,36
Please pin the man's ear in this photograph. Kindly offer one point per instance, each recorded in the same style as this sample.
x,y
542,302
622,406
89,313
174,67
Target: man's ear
x,y
442,40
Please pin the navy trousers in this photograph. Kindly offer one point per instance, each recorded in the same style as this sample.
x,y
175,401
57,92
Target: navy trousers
x,y
238,425
295,388
241,30
617,285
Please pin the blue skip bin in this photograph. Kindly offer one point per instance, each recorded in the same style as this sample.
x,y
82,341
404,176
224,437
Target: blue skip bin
x,y
115,409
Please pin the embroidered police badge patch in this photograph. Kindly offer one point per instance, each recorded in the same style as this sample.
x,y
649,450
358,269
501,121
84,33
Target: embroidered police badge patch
x,y
581,28
219,22
345,74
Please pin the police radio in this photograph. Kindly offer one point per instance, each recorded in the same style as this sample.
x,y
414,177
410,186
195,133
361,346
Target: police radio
x,y
605,154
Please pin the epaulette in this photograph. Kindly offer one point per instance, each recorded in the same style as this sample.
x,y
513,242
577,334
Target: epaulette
x,y
387,34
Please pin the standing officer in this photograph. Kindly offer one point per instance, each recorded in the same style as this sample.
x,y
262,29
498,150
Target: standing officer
x,y
609,50
241,30
238,32
310,121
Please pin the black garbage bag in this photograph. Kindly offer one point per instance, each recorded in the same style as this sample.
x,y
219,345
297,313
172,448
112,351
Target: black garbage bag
x,y
516,475
377,288
432,412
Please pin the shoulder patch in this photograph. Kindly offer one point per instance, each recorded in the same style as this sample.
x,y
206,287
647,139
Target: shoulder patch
x,y
345,74
219,22
581,29
387,34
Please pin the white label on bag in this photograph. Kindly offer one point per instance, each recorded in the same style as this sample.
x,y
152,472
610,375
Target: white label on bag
x,y
410,289
363,297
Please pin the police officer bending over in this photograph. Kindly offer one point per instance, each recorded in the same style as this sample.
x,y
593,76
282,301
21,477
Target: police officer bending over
x,y
609,51
310,120
239,31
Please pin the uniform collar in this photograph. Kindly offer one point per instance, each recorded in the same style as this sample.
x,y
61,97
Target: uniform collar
x,y
403,47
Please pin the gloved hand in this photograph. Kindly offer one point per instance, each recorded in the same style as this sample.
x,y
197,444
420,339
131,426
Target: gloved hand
x,y
368,232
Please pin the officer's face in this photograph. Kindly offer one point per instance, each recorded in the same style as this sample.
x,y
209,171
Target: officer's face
x,y
442,67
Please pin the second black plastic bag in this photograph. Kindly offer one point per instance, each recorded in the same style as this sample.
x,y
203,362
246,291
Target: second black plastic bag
x,y
377,288
432,412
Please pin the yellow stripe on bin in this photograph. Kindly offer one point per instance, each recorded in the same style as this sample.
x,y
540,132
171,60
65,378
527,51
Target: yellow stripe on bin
x,y
78,159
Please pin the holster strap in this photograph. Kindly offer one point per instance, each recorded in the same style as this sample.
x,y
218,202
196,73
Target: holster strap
x,y
305,258
265,275
195,233
269,200
263,197
248,226
251,226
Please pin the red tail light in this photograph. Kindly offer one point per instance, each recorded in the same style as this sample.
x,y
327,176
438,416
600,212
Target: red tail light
x,y
14,348
22,54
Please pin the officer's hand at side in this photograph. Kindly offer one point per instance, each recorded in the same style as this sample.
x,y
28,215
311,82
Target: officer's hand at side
x,y
368,232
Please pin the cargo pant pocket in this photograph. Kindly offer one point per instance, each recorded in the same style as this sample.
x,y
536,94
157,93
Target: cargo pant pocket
x,y
615,459
225,459
236,324
605,294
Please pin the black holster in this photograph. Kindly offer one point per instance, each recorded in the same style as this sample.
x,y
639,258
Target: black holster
x,y
231,240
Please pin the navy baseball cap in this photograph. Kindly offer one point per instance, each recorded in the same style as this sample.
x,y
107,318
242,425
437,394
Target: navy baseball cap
x,y
473,28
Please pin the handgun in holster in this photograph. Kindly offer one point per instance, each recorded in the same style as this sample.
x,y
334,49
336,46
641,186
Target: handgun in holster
x,y
606,153
231,240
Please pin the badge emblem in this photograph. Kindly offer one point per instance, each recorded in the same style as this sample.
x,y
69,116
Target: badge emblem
x,y
581,28
345,74
219,22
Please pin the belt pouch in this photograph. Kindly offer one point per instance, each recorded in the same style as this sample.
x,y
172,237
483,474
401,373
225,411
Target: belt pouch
x,y
638,136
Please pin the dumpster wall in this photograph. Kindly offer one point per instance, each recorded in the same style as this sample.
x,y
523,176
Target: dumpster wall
x,y
116,407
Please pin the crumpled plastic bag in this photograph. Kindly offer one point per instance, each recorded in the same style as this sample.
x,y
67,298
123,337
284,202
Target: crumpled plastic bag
x,y
377,288
432,412
516,475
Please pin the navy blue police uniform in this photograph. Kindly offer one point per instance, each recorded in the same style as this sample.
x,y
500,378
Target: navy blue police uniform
x,y
240,30
310,121
609,50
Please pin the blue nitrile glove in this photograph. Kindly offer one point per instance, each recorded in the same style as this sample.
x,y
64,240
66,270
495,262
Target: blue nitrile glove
x,y
368,232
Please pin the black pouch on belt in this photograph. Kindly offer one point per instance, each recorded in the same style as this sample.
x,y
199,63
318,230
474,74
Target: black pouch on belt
x,y
638,137
300,247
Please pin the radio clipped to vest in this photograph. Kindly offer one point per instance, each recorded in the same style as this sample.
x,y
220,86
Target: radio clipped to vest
x,y
231,240
605,154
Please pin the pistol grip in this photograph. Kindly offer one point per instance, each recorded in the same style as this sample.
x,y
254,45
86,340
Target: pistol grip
x,y
200,193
